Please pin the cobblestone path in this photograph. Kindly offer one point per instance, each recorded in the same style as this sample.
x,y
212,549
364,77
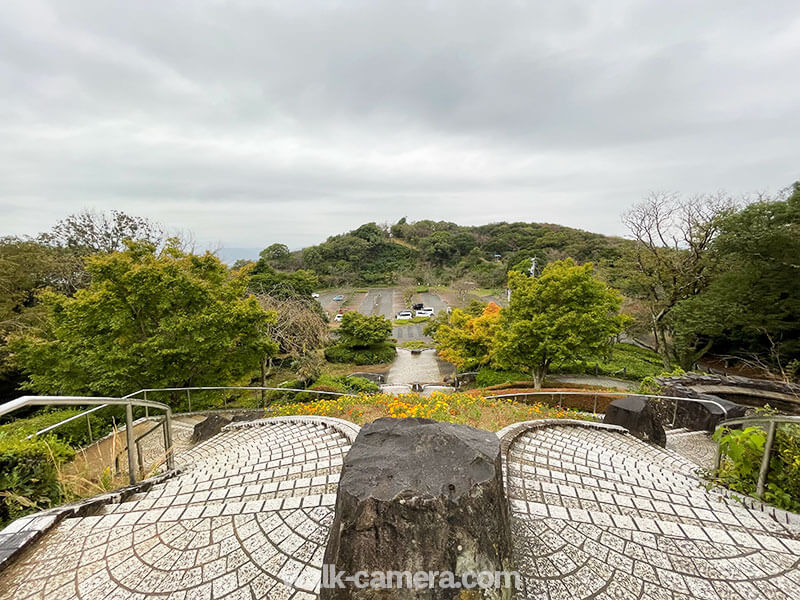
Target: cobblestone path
x,y
249,513
599,514
595,513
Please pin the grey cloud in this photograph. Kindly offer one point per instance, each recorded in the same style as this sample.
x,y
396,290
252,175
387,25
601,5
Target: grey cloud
x,y
253,122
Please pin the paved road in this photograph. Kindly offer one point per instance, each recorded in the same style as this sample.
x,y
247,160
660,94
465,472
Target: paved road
x,y
434,301
378,301
414,368
593,380
406,333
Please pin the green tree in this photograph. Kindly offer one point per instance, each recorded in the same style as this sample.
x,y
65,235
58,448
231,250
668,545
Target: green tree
x,y
564,315
148,319
361,331
265,280
670,260
751,308
465,339
276,253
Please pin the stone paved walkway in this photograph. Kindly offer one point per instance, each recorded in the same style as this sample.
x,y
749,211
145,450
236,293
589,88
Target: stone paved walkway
x,y
595,513
599,514
249,513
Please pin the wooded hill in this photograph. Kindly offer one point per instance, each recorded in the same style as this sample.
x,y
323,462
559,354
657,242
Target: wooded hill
x,y
439,252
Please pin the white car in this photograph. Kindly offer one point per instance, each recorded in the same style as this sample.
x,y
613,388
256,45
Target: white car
x,y
338,318
425,312
404,315
315,295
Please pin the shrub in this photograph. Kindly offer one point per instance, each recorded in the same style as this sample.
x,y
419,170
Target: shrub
x,y
369,355
487,377
29,475
360,385
743,450
74,433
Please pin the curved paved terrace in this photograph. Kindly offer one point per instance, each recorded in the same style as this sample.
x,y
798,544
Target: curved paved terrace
x,y
595,514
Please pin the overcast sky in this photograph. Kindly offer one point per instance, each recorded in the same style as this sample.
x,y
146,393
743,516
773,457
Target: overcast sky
x,y
255,122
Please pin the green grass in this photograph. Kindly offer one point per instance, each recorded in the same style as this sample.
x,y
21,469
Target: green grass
x,y
411,321
416,345
627,361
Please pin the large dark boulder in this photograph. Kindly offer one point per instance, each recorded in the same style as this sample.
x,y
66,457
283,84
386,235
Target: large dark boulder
x,y
420,495
209,427
707,413
636,414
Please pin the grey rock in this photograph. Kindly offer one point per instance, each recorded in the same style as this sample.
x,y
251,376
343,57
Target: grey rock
x,y
209,427
636,414
420,495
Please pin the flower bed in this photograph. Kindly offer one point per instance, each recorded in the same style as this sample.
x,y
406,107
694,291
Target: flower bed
x,y
461,408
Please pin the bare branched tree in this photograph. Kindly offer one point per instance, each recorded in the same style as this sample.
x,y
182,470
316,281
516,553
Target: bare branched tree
x,y
299,328
670,255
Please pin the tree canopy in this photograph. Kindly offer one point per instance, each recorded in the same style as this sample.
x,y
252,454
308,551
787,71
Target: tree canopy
x,y
466,339
147,319
563,315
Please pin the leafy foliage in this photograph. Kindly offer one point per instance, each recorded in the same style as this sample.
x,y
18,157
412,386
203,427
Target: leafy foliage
x,y
752,306
743,450
29,475
439,251
466,340
369,355
362,331
563,315
148,319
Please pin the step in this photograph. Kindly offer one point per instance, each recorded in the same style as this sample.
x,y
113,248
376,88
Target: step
x,y
264,491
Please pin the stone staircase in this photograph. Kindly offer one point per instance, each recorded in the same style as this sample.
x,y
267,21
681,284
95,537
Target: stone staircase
x,y
597,513
247,517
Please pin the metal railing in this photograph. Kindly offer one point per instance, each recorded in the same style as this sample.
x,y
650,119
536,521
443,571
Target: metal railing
x,y
130,400
772,422
597,393
189,391
128,403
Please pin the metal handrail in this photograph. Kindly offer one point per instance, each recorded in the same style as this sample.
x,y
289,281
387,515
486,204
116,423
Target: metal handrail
x,y
60,423
148,405
189,390
597,393
772,425
128,403
231,387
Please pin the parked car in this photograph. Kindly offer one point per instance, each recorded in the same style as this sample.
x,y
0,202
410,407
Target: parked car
x,y
338,298
425,312
417,306
403,315
338,318
315,295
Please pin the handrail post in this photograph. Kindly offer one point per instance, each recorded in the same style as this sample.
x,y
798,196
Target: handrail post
x,y
762,472
594,410
89,426
189,397
129,440
718,454
168,439
675,414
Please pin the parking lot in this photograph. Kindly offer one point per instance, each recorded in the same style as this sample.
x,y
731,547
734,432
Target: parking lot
x,y
382,301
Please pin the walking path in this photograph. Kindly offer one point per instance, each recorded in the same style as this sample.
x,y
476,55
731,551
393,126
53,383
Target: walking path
x,y
422,367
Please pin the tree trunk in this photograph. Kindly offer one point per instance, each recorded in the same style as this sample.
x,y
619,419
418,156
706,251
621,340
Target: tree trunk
x,y
538,376
266,367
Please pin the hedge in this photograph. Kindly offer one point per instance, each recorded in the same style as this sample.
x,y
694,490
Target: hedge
x,y
29,475
369,355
